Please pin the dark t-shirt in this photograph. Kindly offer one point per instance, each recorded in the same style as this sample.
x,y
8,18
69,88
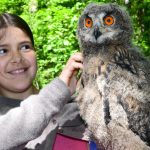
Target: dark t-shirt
x,y
8,103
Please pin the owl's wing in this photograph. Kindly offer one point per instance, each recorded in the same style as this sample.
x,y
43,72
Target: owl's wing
x,y
132,92
132,70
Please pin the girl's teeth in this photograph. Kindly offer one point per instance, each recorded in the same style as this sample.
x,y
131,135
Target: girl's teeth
x,y
17,71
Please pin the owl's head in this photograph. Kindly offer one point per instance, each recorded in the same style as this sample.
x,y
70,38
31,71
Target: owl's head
x,y
103,25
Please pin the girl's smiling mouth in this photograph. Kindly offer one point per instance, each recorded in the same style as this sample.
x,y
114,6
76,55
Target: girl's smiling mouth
x,y
18,71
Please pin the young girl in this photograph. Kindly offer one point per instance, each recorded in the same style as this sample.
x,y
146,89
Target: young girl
x,y
33,123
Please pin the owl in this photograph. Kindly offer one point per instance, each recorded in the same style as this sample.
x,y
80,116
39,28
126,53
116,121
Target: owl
x,y
114,87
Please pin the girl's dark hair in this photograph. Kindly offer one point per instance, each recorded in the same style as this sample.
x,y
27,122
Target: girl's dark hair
x,y
7,19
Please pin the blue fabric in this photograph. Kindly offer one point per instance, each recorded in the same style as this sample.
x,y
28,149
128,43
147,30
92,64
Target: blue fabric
x,y
93,145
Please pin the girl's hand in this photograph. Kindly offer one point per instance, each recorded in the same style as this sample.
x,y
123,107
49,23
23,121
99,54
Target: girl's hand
x,y
68,75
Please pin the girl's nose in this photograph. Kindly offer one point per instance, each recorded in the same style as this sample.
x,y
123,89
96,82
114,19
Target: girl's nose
x,y
16,57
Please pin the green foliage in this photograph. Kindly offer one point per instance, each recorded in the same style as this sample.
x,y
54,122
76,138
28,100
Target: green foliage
x,y
12,6
54,24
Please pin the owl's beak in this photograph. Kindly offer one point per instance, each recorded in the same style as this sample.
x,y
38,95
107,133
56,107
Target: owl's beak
x,y
97,32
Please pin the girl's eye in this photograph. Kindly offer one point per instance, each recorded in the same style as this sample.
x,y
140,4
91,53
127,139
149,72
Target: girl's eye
x,y
25,47
3,51
109,20
88,22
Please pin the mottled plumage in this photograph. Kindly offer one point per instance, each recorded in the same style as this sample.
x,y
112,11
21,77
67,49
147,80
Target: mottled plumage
x,y
114,89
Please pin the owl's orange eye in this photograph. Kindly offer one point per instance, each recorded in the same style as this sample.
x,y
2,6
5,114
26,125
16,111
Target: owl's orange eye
x,y
88,22
108,20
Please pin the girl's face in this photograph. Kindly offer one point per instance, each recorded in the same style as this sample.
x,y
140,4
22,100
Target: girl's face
x,y
17,61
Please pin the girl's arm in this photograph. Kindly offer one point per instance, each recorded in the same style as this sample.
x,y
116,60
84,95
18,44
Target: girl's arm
x,y
27,122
